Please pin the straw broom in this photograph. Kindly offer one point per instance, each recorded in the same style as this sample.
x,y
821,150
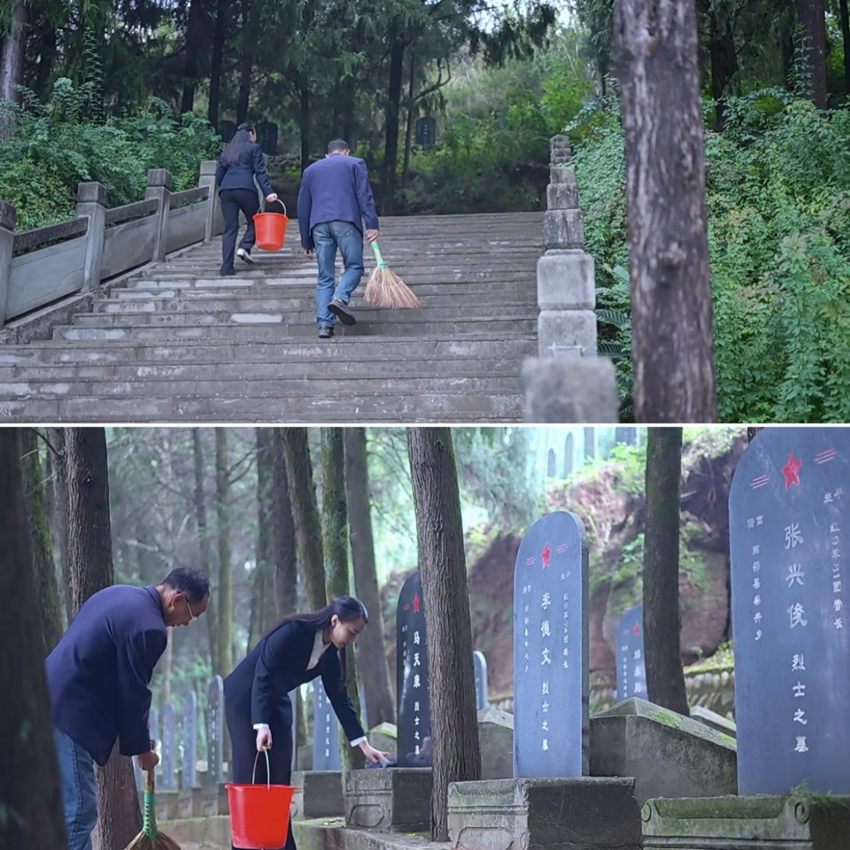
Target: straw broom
x,y
150,838
386,289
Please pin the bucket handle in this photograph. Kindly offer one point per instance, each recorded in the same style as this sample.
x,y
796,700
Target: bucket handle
x,y
277,200
268,769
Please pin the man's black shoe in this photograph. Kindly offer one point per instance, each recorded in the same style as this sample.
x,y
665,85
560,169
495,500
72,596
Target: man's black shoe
x,y
341,310
326,332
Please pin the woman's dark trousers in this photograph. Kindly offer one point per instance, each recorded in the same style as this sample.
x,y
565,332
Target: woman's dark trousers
x,y
232,201
243,741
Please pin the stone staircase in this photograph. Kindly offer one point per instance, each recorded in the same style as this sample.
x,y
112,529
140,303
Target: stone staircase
x,y
176,343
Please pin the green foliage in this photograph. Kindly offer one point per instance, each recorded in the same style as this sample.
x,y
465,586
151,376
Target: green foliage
x,y
778,204
55,146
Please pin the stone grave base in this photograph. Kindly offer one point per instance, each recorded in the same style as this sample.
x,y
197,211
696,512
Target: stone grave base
x,y
804,822
318,794
579,813
334,835
389,798
668,754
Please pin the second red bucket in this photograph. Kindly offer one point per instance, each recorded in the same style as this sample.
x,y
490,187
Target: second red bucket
x,y
270,228
259,814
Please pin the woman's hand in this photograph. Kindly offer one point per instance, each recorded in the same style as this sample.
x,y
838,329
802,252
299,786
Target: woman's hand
x,y
372,754
272,197
264,738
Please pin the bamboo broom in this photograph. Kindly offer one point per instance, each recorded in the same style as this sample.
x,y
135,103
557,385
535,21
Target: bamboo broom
x,y
150,838
386,289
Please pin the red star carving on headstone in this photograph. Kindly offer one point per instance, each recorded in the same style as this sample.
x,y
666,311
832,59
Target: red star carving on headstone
x,y
545,555
791,471
636,628
417,603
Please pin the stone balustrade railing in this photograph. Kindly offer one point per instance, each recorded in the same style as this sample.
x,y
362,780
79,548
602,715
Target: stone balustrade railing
x,y
74,257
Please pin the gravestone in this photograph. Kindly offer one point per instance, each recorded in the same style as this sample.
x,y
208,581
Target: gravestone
x,y
789,518
267,137
479,664
414,708
550,649
631,670
227,130
215,729
169,747
426,132
325,730
190,738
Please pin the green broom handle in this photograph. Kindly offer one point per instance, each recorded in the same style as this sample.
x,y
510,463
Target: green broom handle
x,y
378,258
149,827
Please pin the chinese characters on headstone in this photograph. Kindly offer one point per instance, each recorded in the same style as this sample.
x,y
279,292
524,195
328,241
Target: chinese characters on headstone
x,y
631,670
325,730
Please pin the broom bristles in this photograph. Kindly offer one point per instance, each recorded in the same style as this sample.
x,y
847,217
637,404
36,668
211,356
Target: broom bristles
x,y
145,842
386,289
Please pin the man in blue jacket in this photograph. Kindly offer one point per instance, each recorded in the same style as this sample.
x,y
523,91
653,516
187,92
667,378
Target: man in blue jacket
x,y
334,200
98,677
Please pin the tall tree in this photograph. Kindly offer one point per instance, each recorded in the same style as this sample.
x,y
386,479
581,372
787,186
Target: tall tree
x,y
200,510
224,625
194,53
222,10
811,15
90,567
335,535
371,652
844,17
665,681
442,562
673,347
12,49
37,483
30,794
284,550
305,514
722,52
262,593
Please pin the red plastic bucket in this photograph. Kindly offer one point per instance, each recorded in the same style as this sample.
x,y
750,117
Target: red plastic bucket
x,y
259,814
270,228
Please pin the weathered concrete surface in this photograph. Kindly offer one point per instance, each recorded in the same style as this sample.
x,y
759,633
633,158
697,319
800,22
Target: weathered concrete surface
x,y
389,799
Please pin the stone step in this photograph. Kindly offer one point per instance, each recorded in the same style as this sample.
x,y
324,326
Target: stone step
x,y
271,331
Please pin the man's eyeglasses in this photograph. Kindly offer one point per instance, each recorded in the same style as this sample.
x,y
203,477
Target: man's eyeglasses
x,y
191,612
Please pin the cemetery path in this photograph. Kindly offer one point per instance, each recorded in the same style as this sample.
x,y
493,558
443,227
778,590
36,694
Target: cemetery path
x,y
173,342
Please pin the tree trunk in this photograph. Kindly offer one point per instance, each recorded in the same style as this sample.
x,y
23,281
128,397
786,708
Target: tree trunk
x,y
194,52
224,633
13,49
723,55
811,16
284,550
388,178
216,73
335,536
90,568
305,514
29,782
49,608
304,117
60,499
665,681
246,62
199,504
845,38
673,349
262,596
439,531
411,114
371,653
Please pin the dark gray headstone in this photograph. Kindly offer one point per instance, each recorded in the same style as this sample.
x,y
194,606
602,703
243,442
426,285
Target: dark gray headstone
x,y
325,730
789,529
589,443
479,664
168,777
414,707
426,132
569,452
227,130
550,649
267,137
631,669
190,738
551,464
215,729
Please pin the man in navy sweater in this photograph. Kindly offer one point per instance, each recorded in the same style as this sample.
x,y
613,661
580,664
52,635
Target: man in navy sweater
x,y
98,677
334,200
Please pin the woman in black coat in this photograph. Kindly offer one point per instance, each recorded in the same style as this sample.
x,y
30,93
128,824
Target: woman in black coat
x,y
256,693
238,164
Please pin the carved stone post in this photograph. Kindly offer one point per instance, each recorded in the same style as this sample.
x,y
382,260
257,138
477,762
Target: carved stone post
x,y
567,382
8,219
207,178
159,187
91,204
